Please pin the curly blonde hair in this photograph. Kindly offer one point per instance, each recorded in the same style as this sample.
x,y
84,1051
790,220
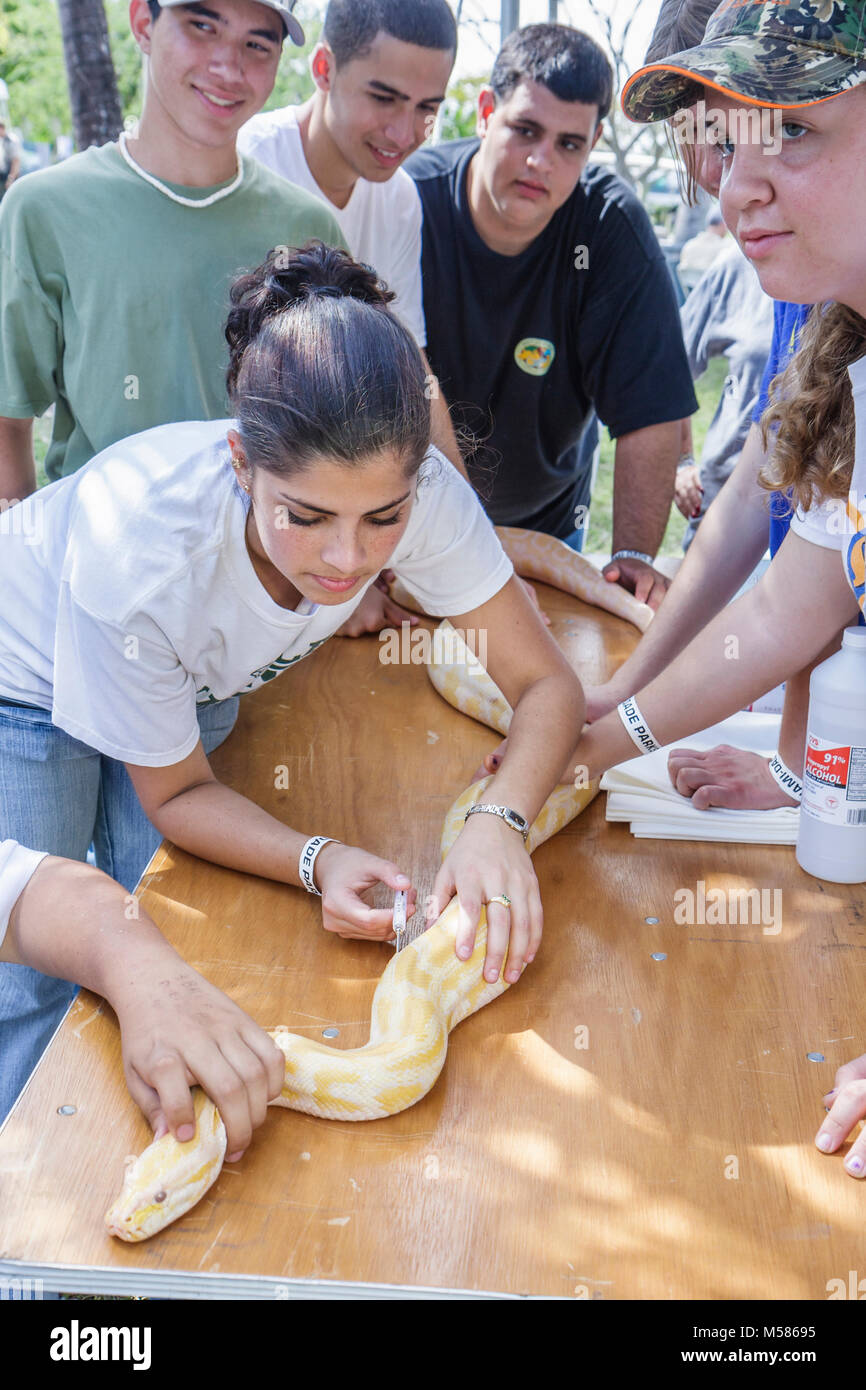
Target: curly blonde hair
x,y
812,409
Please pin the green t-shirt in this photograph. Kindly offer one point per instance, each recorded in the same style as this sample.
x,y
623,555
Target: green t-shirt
x,y
113,297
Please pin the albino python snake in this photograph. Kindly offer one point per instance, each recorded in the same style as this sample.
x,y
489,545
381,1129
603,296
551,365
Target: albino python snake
x,y
425,990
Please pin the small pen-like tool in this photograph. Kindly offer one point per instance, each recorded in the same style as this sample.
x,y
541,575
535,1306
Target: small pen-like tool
x,y
399,919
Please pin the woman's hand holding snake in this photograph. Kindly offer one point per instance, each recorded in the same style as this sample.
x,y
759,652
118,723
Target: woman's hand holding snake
x,y
343,873
489,862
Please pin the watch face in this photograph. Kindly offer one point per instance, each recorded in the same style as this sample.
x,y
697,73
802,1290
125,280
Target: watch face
x,y
516,822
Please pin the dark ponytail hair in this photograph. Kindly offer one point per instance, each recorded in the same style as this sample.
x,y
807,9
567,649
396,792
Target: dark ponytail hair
x,y
320,367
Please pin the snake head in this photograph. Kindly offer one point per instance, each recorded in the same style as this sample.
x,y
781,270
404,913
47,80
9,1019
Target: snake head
x,y
169,1178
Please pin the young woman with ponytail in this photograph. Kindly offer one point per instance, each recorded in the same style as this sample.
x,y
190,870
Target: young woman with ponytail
x,y
198,560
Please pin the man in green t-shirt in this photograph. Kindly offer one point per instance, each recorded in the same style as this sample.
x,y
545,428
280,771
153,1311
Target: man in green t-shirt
x,y
115,266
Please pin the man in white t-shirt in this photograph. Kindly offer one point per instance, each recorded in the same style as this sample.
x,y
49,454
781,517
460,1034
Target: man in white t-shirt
x,y
381,70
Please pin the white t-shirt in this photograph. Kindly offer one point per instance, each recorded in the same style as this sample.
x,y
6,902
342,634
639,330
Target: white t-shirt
x,y
381,223
17,867
129,595
840,524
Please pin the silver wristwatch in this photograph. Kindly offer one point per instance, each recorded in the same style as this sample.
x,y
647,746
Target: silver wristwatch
x,y
517,822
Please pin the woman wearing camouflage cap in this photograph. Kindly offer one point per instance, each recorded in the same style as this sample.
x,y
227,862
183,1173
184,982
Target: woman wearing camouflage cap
x,y
784,87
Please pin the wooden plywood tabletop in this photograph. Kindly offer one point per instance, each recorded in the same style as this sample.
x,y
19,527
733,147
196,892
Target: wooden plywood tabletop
x,y
615,1126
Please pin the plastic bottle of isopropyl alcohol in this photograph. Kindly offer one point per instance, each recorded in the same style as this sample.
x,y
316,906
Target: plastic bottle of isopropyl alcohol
x,y
832,839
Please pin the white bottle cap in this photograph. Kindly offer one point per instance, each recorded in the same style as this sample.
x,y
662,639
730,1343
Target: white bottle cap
x,y
855,637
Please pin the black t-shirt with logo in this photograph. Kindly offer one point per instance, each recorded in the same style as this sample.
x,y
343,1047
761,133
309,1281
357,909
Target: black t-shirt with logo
x,y
525,346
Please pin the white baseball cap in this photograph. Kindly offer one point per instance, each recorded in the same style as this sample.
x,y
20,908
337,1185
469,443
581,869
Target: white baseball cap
x,y
283,8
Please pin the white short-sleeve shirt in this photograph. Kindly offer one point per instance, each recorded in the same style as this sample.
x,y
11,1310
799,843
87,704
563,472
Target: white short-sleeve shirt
x,y
840,523
381,222
17,867
129,596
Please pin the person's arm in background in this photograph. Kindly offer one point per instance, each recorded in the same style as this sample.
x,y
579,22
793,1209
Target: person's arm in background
x,y
73,921
643,488
688,492
634,368
17,462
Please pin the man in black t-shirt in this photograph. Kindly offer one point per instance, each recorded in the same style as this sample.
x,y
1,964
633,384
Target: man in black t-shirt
x,y
547,296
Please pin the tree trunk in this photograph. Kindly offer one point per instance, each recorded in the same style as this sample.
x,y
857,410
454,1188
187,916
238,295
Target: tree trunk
x,y
96,114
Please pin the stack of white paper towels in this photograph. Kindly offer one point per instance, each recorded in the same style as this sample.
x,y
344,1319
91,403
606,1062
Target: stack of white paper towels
x,y
640,792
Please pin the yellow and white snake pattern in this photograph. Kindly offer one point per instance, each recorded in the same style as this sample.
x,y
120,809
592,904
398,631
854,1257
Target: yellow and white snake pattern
x,y
424,992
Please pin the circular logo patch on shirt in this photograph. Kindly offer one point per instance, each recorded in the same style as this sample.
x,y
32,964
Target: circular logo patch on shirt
x,y
534,356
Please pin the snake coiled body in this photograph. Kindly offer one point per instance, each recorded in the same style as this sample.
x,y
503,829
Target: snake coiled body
x,y
424,992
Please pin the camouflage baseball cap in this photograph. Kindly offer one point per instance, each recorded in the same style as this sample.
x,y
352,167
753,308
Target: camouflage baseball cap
x,y
776,52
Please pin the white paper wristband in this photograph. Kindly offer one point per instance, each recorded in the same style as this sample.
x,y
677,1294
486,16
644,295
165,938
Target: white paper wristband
x,y
632,555
785,778
636,726
308,859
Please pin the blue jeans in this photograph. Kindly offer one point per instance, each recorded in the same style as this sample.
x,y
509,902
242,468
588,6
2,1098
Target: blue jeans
x,y
58,795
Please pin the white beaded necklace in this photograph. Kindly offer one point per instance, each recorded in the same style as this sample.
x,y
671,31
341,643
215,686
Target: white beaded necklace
x,y
178,197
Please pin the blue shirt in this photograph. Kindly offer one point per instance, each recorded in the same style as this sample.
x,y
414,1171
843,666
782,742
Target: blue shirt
x,y
788,320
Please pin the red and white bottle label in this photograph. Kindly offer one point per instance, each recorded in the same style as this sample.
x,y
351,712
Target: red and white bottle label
x,y
834,782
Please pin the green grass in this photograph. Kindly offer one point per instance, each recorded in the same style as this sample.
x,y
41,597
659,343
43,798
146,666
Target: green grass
x,y
708,390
